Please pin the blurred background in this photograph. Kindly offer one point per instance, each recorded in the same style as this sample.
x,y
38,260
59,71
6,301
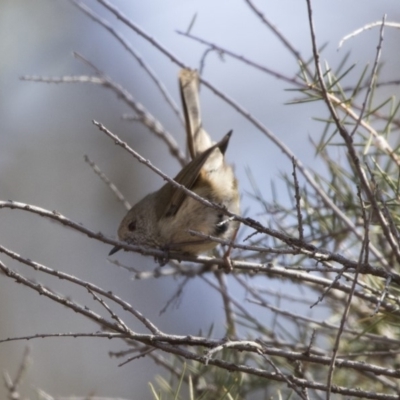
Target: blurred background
x,y
46,130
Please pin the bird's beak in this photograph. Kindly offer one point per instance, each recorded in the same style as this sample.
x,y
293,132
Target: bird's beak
x,y
114,250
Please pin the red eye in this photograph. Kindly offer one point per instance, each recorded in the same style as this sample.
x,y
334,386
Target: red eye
x,y
132,226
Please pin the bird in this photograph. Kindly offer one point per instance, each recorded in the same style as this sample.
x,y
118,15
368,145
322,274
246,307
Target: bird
x,y
168,217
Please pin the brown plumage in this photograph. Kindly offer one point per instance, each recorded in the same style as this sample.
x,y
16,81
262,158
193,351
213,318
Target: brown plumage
x,y
163,218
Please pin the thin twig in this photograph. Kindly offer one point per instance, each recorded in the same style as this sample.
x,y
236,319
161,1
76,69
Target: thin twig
x,y
140,355
145,117
12,385
363,257
328,288
114,316
298,201
279,35
301,392
372,79
227,301
384,294
143,160
107,181
366,27
176,297
106,25
222,50
67,302
62,275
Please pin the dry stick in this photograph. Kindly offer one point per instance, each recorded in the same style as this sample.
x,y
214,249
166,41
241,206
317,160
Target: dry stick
x,y
56,216
311,343
105,24
290,316
107,181
12,384
387,383
107,335
114,316
365,27
138,275
394,82
380,141
155,356
385,211
135,348
301,392
59,299
384,294
255,122
352,153
145,349
328,288
351,150
372,290
217,344
170,343
381,294
310,321
142,354
239,306
145,117
273,376
231,344
363,257
393,229
372,79
295,299
176,296
202,63
379,353
257,249
177,269
89,286
146,162
298,200
223,50
226,300
279,35
119,15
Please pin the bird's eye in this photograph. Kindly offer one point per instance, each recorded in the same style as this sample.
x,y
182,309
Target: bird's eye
x,y
132,226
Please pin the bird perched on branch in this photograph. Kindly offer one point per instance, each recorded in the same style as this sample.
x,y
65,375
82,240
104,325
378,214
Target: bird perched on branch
x,y
167,218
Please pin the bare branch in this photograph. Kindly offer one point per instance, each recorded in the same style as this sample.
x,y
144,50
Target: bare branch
x,y
107,181
106,25
366,27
